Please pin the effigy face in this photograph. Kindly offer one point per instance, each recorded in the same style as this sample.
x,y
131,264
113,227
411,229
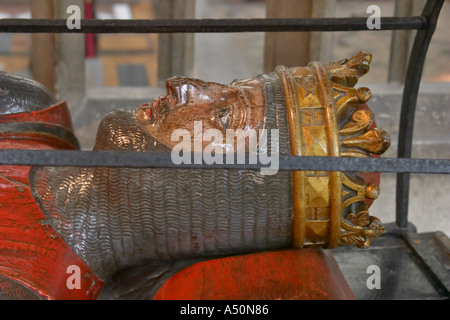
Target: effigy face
x,y
113,218
240,105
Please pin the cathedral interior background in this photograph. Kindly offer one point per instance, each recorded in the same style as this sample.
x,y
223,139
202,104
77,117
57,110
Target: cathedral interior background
x,y
121,71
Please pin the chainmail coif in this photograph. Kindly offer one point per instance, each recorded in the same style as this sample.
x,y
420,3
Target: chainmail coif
x,y
118,217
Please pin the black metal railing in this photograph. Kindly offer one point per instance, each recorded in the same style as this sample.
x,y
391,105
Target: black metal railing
x,y
403,165
208,25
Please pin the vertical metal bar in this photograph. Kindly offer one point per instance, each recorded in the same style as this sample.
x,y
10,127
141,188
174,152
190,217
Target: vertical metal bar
x,y
413,77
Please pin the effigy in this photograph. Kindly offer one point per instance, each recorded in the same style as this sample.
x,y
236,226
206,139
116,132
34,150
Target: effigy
x,y
104,220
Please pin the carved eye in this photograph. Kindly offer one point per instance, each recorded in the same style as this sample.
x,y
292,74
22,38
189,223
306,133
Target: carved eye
x,y
223,116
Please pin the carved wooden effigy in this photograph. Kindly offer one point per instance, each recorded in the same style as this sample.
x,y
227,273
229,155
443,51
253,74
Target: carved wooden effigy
x,y
105,220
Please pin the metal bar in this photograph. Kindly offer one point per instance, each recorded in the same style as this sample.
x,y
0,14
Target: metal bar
x,y
412,83
60,158
206,25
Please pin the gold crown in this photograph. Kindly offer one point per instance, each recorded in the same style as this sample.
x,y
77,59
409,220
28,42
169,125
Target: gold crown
x,y
328,117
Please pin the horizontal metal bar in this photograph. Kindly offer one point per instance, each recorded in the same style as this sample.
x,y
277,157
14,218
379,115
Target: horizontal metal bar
x,y
118,159
206,25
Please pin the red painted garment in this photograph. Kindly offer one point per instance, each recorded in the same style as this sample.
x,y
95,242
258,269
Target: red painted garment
x,y
304,274
58,114
32,254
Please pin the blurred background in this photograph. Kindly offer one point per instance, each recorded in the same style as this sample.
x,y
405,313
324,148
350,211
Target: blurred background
x,y
99,73
234,55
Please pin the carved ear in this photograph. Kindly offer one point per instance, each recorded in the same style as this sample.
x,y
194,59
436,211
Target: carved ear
x,y
252,90
226,92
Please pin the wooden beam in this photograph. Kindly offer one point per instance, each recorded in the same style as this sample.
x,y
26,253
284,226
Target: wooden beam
x,y
322,43
401,41
43,47
71,52
175,51
287,48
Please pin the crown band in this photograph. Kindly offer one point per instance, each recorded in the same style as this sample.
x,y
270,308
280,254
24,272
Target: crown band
x,y
326,119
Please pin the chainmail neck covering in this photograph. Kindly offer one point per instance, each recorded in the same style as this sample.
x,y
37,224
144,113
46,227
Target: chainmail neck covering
x,y
119,217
